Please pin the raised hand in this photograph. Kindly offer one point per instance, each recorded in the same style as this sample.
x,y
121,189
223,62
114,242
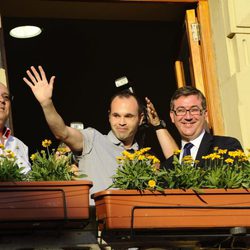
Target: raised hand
x,y
153,117
41,88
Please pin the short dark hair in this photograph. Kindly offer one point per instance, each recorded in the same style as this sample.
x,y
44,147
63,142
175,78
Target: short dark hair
x,y
126,93
187,91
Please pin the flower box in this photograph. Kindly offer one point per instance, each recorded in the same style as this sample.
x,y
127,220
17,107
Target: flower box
x,y
44,200
182,209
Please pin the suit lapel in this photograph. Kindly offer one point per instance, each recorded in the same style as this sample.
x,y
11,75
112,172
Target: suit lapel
x,y
205,146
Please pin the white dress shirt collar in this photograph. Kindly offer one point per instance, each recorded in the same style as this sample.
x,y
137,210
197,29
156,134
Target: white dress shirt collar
x,y
196,142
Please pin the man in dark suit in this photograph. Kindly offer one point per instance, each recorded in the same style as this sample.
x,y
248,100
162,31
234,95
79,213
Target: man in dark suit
x,y
188,111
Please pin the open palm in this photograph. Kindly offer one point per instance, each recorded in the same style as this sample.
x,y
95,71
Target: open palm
x,y
39,84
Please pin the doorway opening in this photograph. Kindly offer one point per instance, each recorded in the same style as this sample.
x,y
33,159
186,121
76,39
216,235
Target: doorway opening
x,y
87,56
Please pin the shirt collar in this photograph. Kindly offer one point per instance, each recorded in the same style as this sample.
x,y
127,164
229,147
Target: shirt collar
x,y
196,142
6,133
117,142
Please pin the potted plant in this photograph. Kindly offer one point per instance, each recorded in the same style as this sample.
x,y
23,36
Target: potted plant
x,y
9,169
215,196
51,191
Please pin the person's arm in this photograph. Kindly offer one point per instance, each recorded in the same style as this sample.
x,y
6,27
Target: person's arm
x,y
167,142
42,90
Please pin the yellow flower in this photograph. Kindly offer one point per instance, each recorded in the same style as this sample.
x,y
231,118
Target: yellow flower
x,y
139,170
229,160
212,156
222,151
10,154
237,153
53,164
151,183
143,150
1,146
141,157
155,168
46,143
120,159
33,157
188,159
63,150
156,160
74,169
177,152
129,155
196,161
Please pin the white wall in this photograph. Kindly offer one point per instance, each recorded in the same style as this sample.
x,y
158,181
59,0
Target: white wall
x,y
230,21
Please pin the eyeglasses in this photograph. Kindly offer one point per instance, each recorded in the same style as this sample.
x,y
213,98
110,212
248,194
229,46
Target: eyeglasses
x,y
181,111
7,97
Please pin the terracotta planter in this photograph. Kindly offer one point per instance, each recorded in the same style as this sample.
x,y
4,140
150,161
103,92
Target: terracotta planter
x,y
44,200
121,209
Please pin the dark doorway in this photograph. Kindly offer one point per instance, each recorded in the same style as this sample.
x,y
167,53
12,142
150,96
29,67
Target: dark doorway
x,y
87,57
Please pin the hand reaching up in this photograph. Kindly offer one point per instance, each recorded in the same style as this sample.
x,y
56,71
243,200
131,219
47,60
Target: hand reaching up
x,y
153,117
41,88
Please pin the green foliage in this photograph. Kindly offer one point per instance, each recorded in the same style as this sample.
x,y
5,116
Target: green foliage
x,y
9,169
227,177
53,166
222,169
138,171
185,176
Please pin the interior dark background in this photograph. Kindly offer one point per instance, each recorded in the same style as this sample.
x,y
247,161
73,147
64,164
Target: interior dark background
x,y
87,57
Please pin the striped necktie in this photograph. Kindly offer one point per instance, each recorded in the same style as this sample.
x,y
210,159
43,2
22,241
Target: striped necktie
x,y
187,149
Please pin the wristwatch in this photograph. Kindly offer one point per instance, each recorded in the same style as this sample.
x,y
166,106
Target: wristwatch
x,y
162,125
